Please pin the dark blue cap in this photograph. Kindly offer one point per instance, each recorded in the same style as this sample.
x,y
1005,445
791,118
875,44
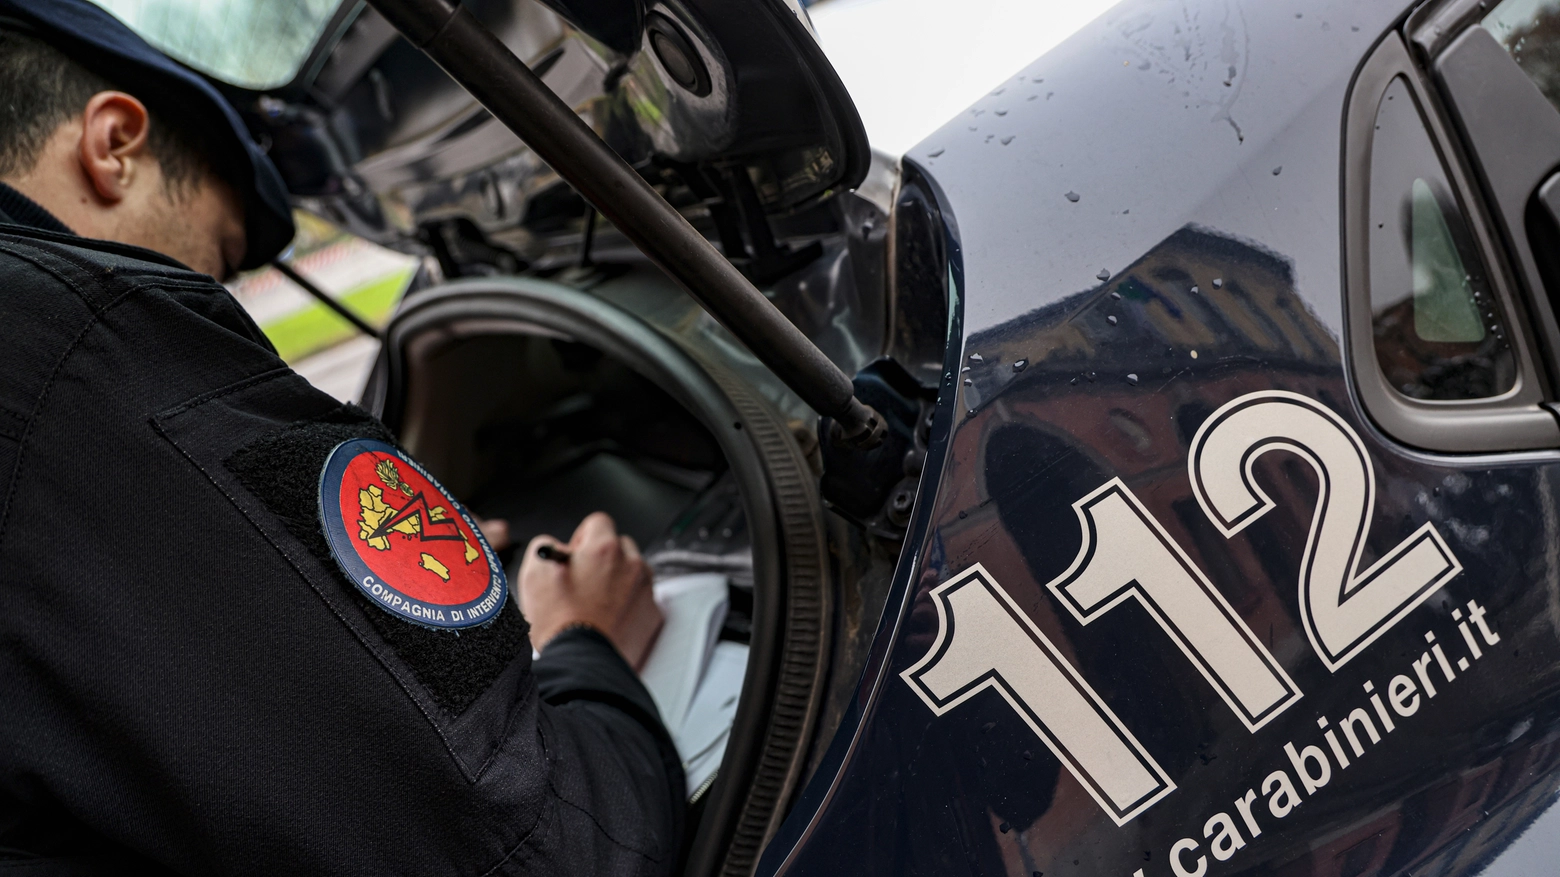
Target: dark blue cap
x,y
106,46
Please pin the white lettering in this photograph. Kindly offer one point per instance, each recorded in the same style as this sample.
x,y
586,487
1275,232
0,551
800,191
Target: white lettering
x,y
1351,723
1243,806
1405,700
1284,797
1183,845
1227,839
1301,759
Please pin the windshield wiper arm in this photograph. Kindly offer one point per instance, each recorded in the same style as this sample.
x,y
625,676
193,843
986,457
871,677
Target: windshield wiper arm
x,y
485,67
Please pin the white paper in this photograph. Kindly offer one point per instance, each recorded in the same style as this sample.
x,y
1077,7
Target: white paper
x,y
695,608
701,741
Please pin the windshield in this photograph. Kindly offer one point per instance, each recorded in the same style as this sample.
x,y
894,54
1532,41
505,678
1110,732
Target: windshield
x,y
255,44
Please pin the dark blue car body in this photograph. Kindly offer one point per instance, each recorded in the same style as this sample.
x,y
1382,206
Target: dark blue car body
x,y
1145,224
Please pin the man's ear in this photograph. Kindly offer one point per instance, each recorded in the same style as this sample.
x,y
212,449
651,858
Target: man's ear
x,y
113,143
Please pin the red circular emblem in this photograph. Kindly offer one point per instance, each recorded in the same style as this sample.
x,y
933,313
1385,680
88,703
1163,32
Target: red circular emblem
x,y
405,542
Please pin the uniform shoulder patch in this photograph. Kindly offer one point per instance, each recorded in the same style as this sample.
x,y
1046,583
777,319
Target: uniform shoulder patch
x,y
404,541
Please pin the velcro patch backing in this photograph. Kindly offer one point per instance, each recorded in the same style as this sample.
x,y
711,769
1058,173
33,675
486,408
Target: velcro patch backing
x,y
283,470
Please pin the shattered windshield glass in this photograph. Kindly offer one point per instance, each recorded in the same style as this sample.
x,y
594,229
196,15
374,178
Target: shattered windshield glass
x,y
255,44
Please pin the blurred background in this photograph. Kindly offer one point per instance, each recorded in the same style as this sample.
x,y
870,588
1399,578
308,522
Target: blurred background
x,y
910,66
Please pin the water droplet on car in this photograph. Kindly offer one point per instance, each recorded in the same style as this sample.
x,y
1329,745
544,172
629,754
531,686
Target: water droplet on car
x,y
963,370
1111,319
934,153
1115,295
1001,112
969,382
1073,382
1020,364
1132,379
986,728
976,357
1006,140
1005,828
1028,755
1278,170
1195,290
1354,27
1218,283
1104,274
964,514
1092,375
1072,196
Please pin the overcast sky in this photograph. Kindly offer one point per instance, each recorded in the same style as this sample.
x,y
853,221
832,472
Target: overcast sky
x,y
911,65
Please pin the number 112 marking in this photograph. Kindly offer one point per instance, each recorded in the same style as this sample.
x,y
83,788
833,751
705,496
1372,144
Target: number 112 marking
x,y
984,641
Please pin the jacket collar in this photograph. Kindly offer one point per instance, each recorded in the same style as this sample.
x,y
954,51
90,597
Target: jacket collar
x,y
18,209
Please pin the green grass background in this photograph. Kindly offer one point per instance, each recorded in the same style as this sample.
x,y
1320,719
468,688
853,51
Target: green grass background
x,y
316,327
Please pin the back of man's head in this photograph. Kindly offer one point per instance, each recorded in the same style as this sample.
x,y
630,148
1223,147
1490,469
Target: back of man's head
x,y
42,88
118,141
107,164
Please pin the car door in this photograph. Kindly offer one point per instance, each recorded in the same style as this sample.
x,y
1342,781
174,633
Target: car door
x,y
1240,550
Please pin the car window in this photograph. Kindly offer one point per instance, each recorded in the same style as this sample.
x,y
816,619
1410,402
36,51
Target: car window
x,y
255,44
1530,31
1438,329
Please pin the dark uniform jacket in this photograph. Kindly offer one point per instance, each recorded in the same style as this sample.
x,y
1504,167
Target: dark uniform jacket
x,y
188,683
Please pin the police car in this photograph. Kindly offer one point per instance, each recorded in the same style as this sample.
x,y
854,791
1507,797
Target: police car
x,y
1186,499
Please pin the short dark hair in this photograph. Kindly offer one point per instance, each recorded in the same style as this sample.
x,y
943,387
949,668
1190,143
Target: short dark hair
x,y
42,88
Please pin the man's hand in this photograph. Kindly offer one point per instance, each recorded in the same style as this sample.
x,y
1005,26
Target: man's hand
x,y
604,584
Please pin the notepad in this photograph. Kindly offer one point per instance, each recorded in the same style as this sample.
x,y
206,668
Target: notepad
x,y
694,678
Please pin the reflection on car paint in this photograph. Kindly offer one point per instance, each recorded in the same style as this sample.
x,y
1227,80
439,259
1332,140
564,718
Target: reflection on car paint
x,y
984,794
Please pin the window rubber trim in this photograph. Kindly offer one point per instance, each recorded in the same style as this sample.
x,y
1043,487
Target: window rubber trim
x,y
1512,421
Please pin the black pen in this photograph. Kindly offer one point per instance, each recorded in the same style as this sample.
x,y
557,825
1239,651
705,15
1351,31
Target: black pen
x,y
556,555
